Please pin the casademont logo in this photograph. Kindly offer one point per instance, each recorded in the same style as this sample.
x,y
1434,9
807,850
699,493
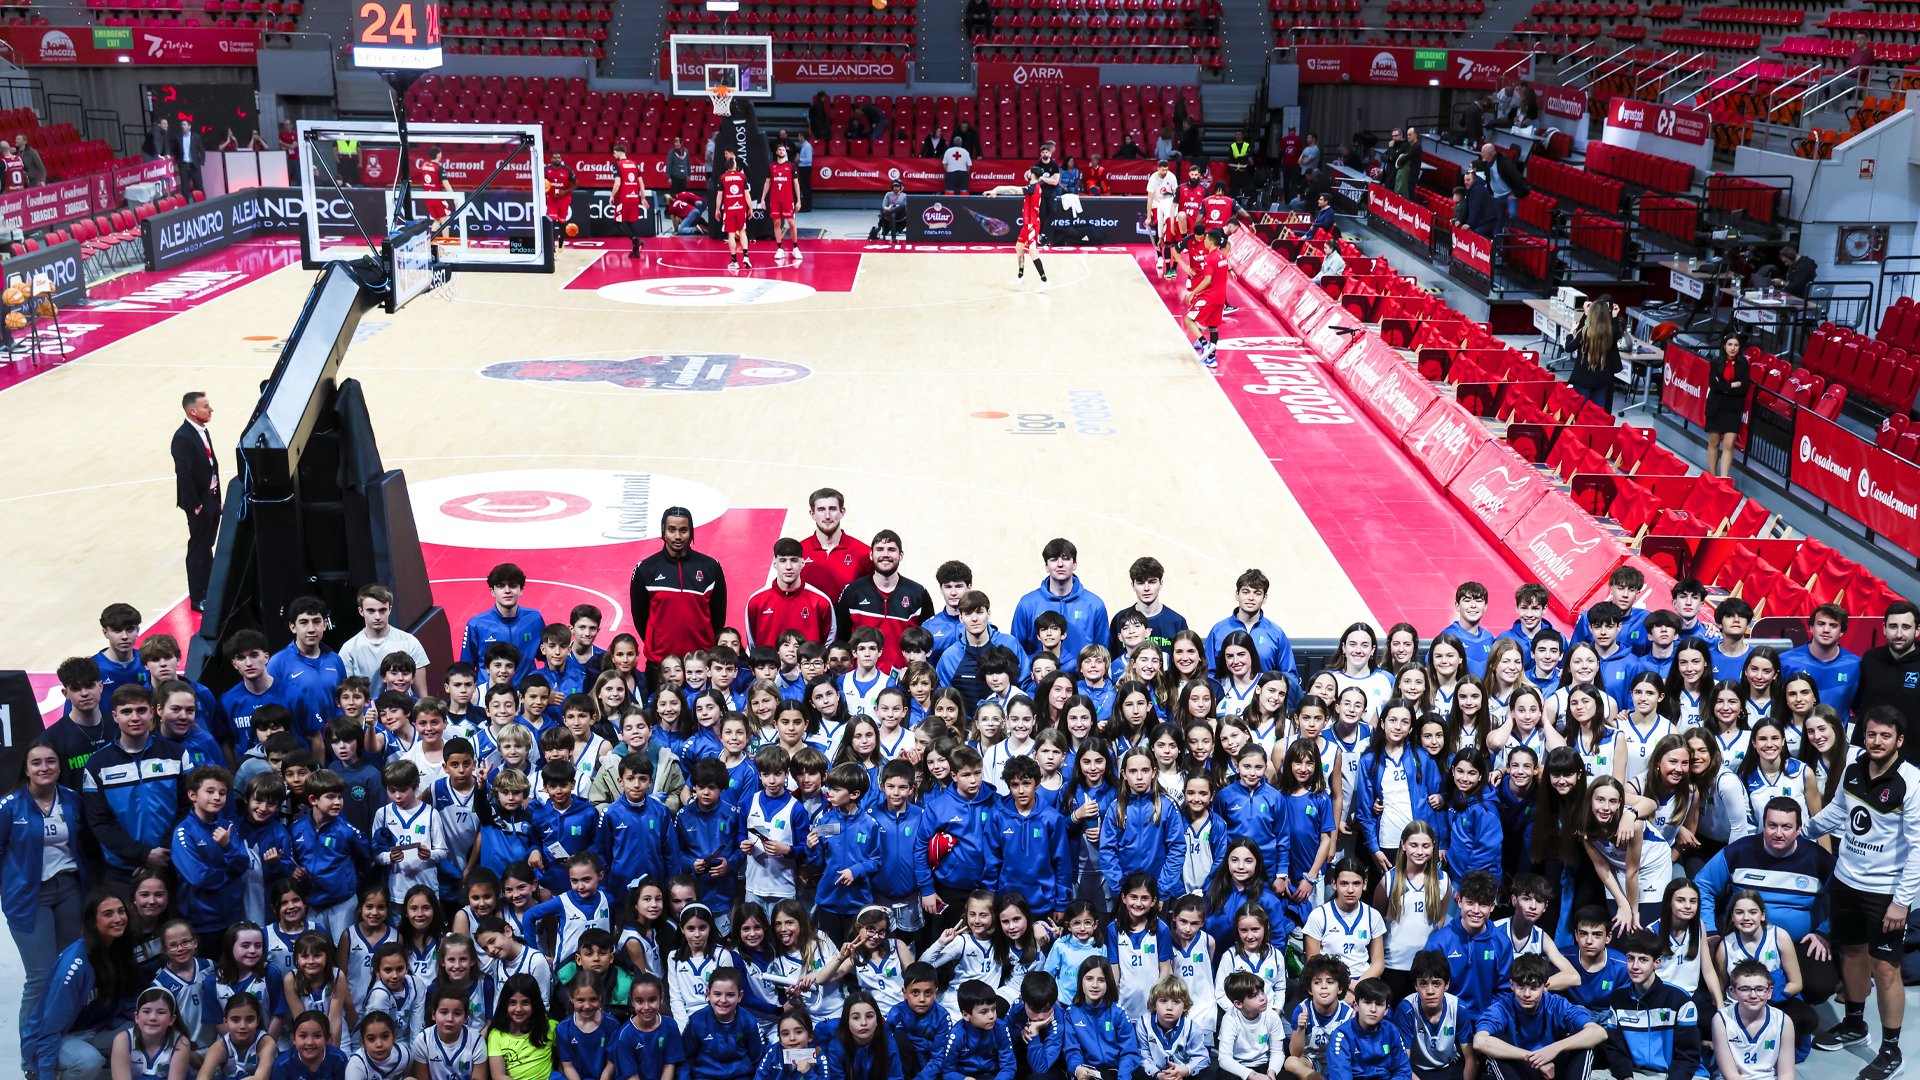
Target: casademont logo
x,y
1867,489
56,45
1680,383
1813,457
1384,66
1556,549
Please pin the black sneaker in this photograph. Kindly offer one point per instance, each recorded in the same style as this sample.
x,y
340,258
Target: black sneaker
x,y
1843,1034
1885,1065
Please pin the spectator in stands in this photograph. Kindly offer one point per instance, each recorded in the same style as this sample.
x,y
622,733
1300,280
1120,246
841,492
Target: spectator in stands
x,y
1596,359
819,121
979,16
1317,184
679,167
190,152
1860,62
1407,170
957,165
1163,148
159,138
1129,149
1793,274
859,127
1323,216
1506,184
1478,212
289,138
876,119
1506,100
257,141
1190,147
231,142
1069,178
1352,156
36,168
936,144
1291,144
1527,114
1726,403
893,214
1890,673
1309,157
965,135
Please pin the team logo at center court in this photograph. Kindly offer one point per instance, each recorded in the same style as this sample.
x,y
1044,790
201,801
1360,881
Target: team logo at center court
x,y
705,372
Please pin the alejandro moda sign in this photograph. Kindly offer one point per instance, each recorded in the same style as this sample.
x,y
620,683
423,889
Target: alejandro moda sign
x,y
61,262
198,228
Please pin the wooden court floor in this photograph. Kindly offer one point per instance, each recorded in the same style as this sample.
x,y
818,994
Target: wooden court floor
x,y
975,416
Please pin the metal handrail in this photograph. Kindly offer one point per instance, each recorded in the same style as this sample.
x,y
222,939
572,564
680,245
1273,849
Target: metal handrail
x,y
1621,61
1660,79
1846,77
1734,89
1595,61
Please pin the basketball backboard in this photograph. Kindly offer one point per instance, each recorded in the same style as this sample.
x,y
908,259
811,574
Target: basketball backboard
x,y
742,62
487,211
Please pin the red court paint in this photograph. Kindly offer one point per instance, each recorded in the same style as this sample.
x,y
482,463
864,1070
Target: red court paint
x,y
1404,546
829,266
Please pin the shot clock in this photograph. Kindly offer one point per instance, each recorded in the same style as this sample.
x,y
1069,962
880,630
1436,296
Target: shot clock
x,y
396,35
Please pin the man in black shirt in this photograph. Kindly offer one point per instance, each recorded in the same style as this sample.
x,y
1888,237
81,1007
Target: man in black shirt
x,y
1890,673
1047,171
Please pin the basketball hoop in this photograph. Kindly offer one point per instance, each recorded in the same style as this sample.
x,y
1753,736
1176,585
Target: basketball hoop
x,y
722,98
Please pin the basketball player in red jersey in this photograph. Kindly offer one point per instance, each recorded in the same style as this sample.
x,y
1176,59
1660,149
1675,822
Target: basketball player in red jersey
x,y
1032,215
628,191
1217,210
14,166
1207,274
1163,205
777,196
736,204
1193,199
431,176
560,183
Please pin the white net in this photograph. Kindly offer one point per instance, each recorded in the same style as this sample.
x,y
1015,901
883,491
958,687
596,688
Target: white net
x,y
722,98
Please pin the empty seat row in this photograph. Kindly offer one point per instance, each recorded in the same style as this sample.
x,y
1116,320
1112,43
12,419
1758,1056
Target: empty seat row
x,y
1578,184
1639,167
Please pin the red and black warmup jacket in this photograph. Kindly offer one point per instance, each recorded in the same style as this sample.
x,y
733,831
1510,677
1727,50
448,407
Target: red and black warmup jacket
x,y
679,605
863,604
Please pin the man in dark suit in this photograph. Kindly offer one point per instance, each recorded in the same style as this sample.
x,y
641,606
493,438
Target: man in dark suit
x,y
196,474
191,153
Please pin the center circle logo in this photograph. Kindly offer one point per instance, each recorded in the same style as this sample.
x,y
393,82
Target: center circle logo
x,y
826,172
554,508
705,291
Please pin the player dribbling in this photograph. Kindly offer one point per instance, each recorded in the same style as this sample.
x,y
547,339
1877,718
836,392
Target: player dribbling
x,y
560,182
1032,220
776,194
736,204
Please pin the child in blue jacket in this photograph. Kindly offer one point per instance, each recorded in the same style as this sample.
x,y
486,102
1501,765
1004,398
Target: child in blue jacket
x,y
329,854
1469,826
1393,758
1367,1047
720,1043
845,844
856,1045
1098,1033
1143,831
210,860
706,838
904,880
976,1048
1030,841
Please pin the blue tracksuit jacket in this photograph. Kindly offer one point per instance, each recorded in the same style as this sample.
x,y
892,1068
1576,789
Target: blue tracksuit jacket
x,y
1141,844
840,1064
970,865
707,834
1554,1019
562,834
1101,1036
1220,923
1272,643
1479,961
211,876
721,1051
957,664
903,873
857,848
1471,835
1357,1053
1086,616
132,797
1038,1057
1423,780
333,854
67,1005
505,838
924,1031
636,841
522,632
22,840
967,1051
1258,815
1793,886
1655,1031
1032,851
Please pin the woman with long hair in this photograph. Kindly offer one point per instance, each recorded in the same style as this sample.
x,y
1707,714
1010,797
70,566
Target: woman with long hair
x,y
92,982
1596,343
1358,664
1689,681
1825,751
1403,645
1581,668
1506,672
40,826
1237,670
1559,814
1726,403
1766,695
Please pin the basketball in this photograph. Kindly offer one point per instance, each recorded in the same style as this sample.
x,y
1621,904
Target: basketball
x,y
46,309
879,5
572,230
16,320
14,295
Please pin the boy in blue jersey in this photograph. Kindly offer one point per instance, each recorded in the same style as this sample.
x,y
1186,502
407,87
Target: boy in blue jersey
x,y
1030,842
130,790
1270,642
1530,601
160,656
246,650
1663,633
366,789
506,622
955,580
179,706
844,844
329,854
1437,1029
120,660
717,1042
1655,1026
210,861
563,826
1478,955
648,1046
904,882
636,831
1601,970
1618,664
1367,1047
919,1023
1529,1033
772,824
705,839
1729,654
1689,599
1083,613
1835,671
84,729
964,812
307,664
1037,1033
506,825
1469,608
1255,811
1623,592
1546,653
977,1047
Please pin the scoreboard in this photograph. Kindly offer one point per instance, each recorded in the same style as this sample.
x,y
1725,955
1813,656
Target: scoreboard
x,y
396,35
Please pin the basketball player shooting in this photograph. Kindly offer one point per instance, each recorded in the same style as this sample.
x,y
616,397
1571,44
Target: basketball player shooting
x,y
1207,274
560,182
776,194
629,190
736,205
430,175
1032,220
1162,205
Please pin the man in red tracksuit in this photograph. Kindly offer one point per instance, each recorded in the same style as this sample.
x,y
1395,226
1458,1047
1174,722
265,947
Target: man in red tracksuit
x,y
789,603
678,595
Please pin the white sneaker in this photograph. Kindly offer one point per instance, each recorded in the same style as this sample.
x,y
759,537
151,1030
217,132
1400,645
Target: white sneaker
x,y
780,257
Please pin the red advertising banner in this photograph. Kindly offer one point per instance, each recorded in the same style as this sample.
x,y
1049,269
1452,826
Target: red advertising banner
x,y
38,207
1387,385
1400,214
146,46
830,173
1021,73
1444,438
1684,386
1564,548
887,69
1473,251
1469,69
1862,481
1562,101
1653,118
1497,486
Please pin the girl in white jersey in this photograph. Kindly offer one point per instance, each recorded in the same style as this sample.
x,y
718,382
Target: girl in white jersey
x,y
1690,681
1581,669
968,944
451,1047
880,960
182,975
289,906
1357,667
1686,943
808,961
1726,719
1238,675
1351,733
153,1047
1266,718
1139,943
1768,772
1760,678
384,1053
368,932
1660,805
1506,672
1643,726
1252,950
1446,661
314,983
1191,950
1749,1035
1826,754
1413,899
1801,694
1410,684
690,966
245,1052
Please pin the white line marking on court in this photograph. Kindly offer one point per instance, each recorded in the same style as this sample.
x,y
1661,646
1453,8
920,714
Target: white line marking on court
x,y
83,488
